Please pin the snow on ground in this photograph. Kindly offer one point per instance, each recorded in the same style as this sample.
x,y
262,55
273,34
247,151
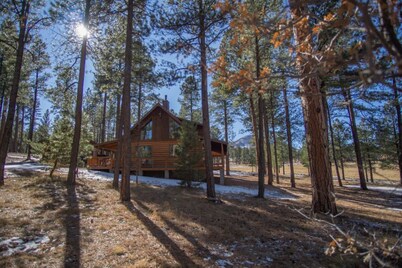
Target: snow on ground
x,y
220,189
16,245
397,190
105,176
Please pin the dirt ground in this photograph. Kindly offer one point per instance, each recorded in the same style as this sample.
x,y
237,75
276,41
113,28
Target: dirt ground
x,y
88,226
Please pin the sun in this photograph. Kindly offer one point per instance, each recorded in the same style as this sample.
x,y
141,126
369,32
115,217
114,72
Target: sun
x,y
81,31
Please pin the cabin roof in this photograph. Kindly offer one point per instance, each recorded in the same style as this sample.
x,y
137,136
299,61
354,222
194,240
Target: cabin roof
x,y
112,144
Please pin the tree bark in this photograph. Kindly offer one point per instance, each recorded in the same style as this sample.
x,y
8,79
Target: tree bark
x,y
16,128
323,198
8,126
117,159
268,146
225,111
399,121
21,138
72,174
125,109
33,114
289,138
138,132
205,109
274,138
333,145
355,136
103,137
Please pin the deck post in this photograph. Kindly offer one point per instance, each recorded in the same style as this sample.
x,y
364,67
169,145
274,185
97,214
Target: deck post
x,y
166,174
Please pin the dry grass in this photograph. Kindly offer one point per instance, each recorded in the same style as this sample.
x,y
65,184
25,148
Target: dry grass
x,y
380,176
176,227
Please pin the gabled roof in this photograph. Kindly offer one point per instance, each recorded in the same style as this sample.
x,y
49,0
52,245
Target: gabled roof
x,y
179,120
157,105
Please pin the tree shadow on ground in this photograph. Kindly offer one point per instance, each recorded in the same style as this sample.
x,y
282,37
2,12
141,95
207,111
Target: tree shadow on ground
x,y
72,253
249,228
178,254
66,204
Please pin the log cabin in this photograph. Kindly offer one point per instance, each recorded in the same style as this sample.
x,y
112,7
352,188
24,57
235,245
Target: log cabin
x,y
157,145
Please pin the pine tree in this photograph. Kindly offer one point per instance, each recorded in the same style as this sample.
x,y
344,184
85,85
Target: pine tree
x,y
189,154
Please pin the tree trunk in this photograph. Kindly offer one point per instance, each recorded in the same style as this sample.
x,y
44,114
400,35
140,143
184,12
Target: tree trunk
x,y
8,126
117,159
138,133
16,128
268,146
33,114
289,138
225,112
356,140
21,138
370,164
103,137
78,106
3,116
54,167
333,145
399,118
205,109
125,109
254,123
274,138
323,199
342,167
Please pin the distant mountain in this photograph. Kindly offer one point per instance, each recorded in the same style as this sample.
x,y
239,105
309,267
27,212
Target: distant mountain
x,y
243,142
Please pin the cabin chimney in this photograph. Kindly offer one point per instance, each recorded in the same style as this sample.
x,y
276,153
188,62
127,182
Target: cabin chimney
x,y
165,103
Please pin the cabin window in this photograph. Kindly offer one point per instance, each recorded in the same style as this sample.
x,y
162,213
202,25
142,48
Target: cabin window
x,y
173,149
173,129
144,151
146,131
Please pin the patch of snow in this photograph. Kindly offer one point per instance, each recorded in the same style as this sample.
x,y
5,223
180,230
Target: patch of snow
x,y
221,189
25,166
385,189
15,245
223,263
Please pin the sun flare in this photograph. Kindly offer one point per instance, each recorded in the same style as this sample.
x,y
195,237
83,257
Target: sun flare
x,y
81,31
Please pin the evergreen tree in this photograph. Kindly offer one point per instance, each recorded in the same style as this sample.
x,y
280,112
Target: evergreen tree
x,y
190,99
189,154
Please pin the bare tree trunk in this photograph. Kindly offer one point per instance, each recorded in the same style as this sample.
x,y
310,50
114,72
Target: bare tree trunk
x,y
117,159
370,164
3,115
254,123
8,126
289,138
125,109
205,109
399,118
274,138
16,128
333,146
103,137
225,112
268,146
33,114
54,167
342,167
260,145
138,133
356,140
78,106
21,138
323,199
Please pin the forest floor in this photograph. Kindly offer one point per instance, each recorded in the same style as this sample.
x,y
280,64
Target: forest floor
x,y
44,223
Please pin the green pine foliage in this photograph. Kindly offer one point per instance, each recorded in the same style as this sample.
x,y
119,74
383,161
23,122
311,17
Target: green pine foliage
x,y
189,154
